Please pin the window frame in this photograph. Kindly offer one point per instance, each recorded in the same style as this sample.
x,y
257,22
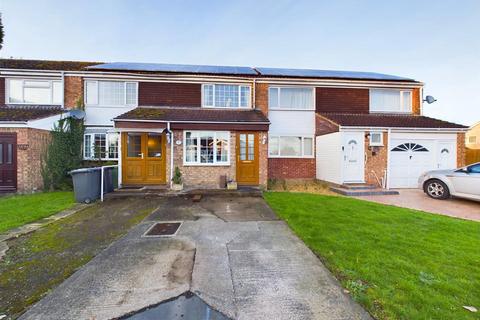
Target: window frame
x,y
401,94
240,85
98,104
198,163
302,156
279,87
23,80
376,144
107,145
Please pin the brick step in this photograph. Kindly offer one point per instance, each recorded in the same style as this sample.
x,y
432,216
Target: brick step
x,y
363,192
358,186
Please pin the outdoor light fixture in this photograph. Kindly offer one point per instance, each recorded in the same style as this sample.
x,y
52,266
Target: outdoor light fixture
x,y
429,99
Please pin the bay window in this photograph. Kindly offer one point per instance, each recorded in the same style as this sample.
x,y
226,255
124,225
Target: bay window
x,y
225,96
111,93
390,100
33,91
101,146
290,146
206,148
291,98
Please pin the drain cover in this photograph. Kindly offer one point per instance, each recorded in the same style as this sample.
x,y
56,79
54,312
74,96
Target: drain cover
x,y
188,306
163,229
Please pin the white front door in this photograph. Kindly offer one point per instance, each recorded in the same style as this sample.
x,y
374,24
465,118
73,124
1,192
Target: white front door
x,y
446,155
353,157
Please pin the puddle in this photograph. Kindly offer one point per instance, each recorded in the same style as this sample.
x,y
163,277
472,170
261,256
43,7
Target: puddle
x,y
188,306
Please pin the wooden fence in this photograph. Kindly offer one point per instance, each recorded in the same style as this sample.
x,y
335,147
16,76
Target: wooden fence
x,y
472,156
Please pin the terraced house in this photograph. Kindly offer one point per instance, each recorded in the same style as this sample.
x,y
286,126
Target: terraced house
x,y
237,123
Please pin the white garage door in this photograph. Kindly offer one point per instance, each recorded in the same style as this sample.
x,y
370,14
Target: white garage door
x,y
410,157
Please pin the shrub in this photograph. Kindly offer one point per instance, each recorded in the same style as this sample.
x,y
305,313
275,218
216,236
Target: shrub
x,y
177,176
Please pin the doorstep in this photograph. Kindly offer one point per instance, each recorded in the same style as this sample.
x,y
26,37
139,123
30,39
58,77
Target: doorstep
x,y
359,190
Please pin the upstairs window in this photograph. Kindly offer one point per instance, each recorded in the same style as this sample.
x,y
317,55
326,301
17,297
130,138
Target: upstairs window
x,y
23,91
390,100
225,96
293,98
111,93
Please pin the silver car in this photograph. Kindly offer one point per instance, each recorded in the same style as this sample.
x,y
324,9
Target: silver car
x,y
463,183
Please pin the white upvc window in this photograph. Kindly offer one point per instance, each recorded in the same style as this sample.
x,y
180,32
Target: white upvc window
x,y
34,91
390,100
218,95
111,93
376,139
291,98
206,148
100,146
290,146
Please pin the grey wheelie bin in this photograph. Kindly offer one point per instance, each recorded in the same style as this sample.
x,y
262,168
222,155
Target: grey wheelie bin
x,y
86,184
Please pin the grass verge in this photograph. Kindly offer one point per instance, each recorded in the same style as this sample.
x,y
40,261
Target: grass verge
x,y
21,209
398,263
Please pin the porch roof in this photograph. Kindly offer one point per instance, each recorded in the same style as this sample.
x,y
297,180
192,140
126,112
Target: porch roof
x,y
195,118
27,113
381,120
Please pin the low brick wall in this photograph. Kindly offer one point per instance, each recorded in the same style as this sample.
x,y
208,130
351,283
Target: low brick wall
x,y
31,145
291,168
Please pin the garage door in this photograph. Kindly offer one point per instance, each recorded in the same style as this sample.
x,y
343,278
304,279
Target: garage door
x,y
409,158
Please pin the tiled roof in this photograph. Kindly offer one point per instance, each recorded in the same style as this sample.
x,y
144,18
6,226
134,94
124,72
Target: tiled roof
x,y
389,120
44,64
193,114
26,113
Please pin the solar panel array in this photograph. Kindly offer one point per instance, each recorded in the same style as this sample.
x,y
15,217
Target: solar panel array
x,y
278,72
183,68
232,70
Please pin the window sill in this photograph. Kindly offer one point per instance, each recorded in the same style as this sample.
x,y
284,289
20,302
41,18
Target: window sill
x,y
206,164
291,157
289,109
111,106
377,145
233,108
392,112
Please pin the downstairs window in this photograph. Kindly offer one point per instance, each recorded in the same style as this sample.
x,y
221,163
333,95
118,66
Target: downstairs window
x,y
101,146
290,147
206,148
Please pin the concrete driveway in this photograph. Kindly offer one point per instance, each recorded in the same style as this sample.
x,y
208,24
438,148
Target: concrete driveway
x,y
416,199
231,252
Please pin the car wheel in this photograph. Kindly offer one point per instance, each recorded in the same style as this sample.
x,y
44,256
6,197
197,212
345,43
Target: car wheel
x,y
437,189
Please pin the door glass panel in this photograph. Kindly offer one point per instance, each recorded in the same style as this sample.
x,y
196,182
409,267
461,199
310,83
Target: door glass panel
x,y
251,146
134,145
154,145
9,153
243,146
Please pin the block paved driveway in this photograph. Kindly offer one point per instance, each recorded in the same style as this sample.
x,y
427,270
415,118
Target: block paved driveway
x,y
416,199
232,252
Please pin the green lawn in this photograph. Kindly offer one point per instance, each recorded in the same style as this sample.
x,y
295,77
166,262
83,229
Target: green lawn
x,y
398,263
21,209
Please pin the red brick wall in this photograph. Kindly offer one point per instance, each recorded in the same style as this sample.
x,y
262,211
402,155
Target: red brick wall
x,y
261,97
31,145
375,160
461,150
169,94
73,91
291,168
342,100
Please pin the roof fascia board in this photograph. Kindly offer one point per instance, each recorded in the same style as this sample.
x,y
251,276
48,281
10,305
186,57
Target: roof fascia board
x,y
185,121
403,129
342,83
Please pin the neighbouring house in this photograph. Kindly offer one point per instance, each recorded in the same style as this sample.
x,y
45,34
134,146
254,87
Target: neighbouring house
x,y
472,137
236,123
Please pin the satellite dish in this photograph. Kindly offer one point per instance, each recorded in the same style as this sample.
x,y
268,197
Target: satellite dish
x,y
76,114
430,99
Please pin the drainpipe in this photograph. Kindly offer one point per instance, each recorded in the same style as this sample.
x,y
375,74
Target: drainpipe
x,y
388,158
63,89
171,153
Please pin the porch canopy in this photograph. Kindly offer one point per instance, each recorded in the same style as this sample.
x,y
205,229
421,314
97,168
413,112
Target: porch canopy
x,y
192,118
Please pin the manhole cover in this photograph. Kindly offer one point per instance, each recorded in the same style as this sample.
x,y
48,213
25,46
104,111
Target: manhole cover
x,y
188,306
163,229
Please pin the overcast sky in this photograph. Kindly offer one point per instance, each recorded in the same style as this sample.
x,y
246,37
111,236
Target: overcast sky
x,y
436,42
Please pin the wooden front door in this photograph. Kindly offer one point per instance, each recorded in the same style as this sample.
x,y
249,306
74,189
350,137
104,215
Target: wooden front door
x,y
143,158
247,158
8,162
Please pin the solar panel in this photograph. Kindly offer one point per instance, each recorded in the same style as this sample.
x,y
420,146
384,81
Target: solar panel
x,y
184,68
328,74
